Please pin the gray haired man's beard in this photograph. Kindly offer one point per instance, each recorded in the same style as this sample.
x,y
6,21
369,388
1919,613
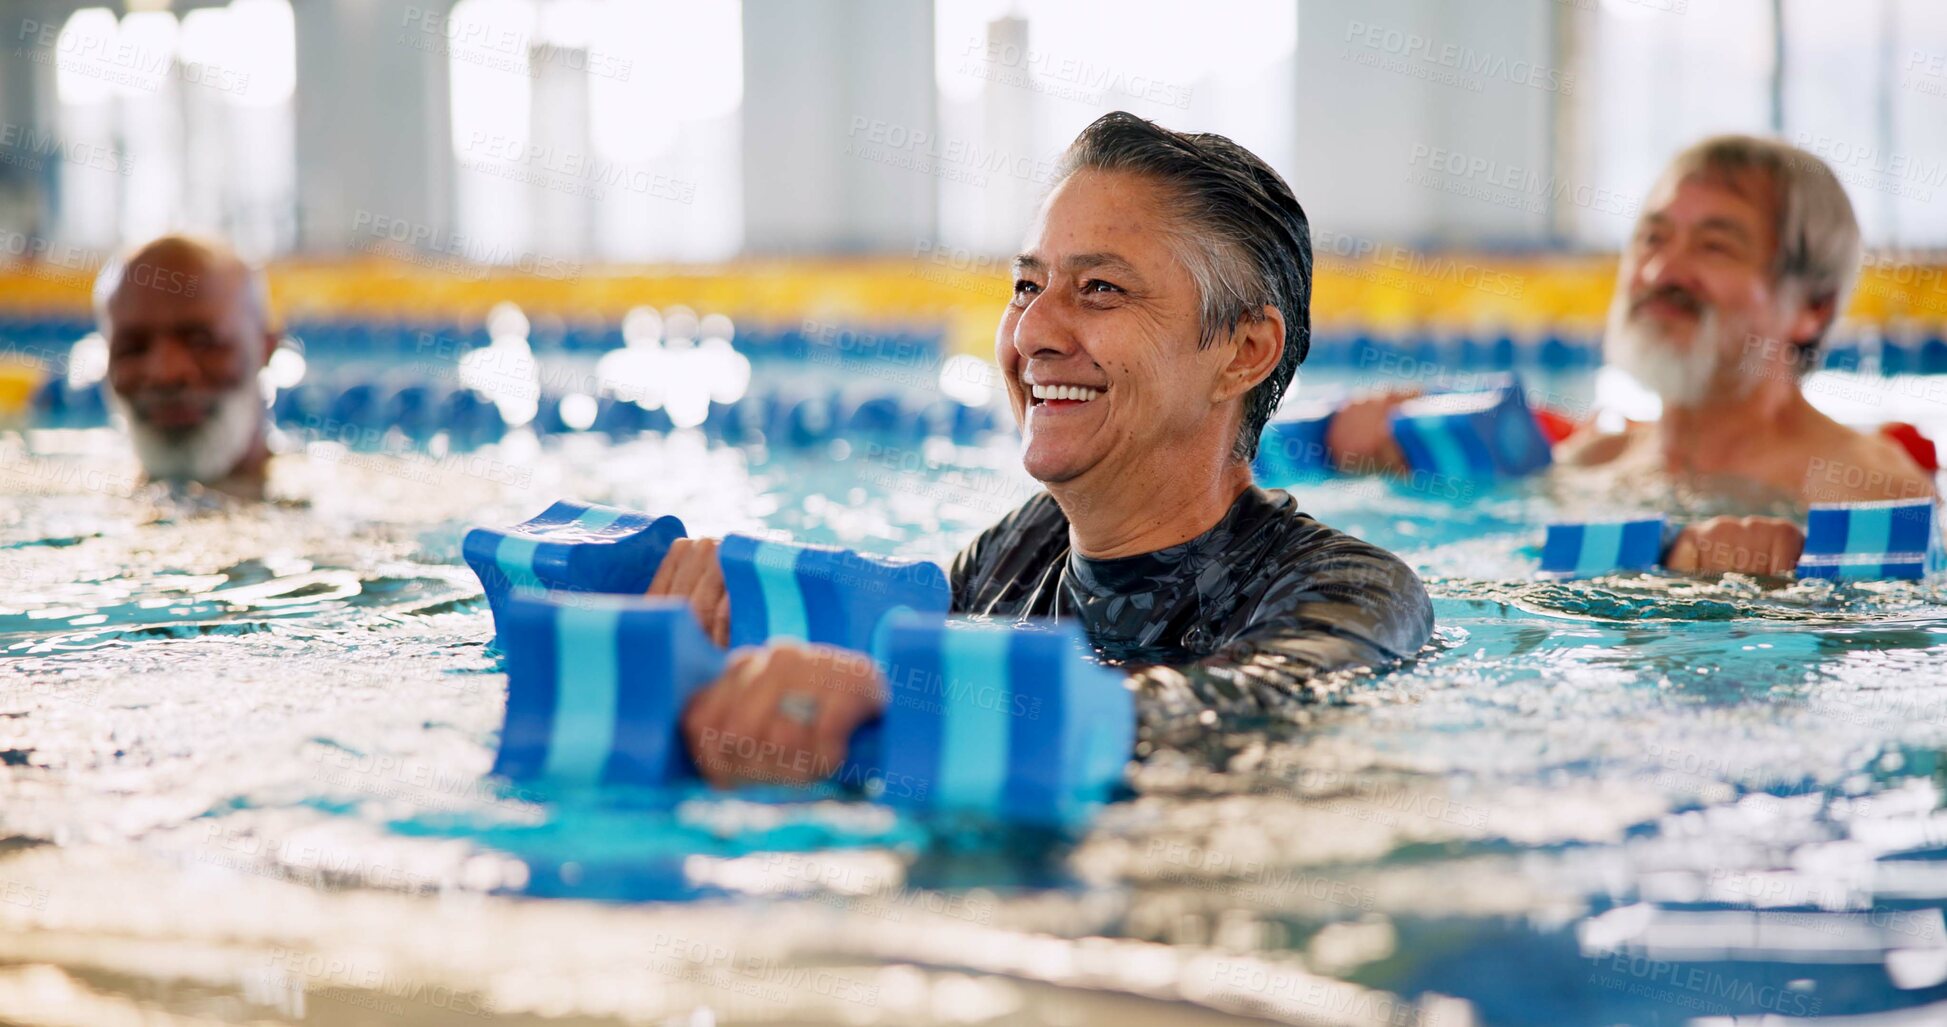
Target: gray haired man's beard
x,y
206,453
1680,374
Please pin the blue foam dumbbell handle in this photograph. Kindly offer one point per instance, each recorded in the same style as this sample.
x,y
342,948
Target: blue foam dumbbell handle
x,y
1490,434
1012,722
821,594
595,684
571,546
1893,539
1587,549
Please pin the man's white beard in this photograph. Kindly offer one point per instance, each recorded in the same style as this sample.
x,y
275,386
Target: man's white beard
x,y
1681,375
206,453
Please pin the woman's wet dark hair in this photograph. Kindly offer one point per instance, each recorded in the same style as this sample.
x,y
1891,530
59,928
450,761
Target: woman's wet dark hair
x,y
1241,233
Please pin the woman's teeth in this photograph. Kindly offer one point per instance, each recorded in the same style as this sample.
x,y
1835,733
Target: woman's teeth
x,y
1074,392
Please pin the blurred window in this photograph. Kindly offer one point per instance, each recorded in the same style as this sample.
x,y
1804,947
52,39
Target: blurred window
x,y
1864,87
1018,79
169,125
610,130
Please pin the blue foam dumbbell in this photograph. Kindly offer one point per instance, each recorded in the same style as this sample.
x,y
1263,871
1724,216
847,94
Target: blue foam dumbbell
x,y
594,683
1011,722
1892,539
820,593
581,667
1897,539
1477,435
1294,444
570,546
1588,549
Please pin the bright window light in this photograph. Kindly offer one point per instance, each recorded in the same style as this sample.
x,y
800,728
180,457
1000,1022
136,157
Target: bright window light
x,y
655,66
80,68
960,45
206,37
1017,79
263,51
571,24
493,95
144,54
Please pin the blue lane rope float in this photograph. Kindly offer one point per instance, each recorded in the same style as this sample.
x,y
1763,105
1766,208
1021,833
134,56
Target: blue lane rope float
x,y
352,410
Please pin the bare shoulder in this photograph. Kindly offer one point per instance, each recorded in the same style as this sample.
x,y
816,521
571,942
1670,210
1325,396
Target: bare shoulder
x,y
1592,447
1857,467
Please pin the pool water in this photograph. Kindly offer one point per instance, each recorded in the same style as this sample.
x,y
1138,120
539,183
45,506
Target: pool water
x,y
243,752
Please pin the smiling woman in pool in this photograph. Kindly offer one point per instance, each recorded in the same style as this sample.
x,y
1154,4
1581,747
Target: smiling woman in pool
x,y
1161,308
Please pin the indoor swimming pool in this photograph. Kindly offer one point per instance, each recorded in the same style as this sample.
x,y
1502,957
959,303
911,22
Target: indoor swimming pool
x,y
248,751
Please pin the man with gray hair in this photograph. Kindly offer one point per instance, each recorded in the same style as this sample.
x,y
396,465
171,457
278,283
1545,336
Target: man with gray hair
x,y
1745,255
1161,307
188,329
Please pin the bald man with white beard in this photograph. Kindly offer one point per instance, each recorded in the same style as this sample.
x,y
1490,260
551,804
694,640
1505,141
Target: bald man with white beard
x,y
1744,256
189,328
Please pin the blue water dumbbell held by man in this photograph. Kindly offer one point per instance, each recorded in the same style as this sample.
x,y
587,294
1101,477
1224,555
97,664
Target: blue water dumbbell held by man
x,y
1898,539
1884,540
1484,434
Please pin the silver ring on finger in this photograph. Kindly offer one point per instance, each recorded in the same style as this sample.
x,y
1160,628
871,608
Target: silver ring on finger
x,y
798,708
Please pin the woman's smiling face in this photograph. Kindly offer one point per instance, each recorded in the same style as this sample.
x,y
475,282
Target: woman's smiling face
x,y
1099,343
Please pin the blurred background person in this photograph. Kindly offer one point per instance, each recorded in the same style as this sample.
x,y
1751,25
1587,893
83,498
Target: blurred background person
x,y
1746,251
188,329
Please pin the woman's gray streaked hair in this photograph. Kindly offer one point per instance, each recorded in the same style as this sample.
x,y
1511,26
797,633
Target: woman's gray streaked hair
x,y
1239,231
1818,248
